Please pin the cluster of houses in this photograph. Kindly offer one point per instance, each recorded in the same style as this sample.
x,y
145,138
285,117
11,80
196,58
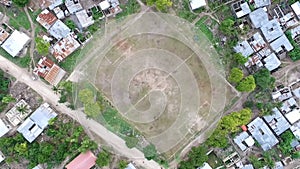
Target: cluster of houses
x,y
268,43
267,129
31,126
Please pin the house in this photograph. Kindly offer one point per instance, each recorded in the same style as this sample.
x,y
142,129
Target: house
x,y
2,158
3,35
73,6
59,30
244,141
60,14
48,70
261,3
244,48
295,129
258,17
296,8
257,42
282,94
293,116
271,30
15,116
240,8
262,133
34,125
55,3
64,47
6,2
84,19
248,166
205,166
46,19
110,7
277,122
271,62
130,166
278,165
295,32
3,128
288,105
195,4
15,43
281,45
83,161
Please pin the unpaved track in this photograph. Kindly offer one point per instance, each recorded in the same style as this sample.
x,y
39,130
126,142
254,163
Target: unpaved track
x,y
48,95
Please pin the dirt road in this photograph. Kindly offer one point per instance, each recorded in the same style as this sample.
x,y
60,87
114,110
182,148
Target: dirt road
x,y
48,95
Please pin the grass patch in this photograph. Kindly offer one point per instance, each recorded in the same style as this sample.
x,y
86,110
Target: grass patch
x,y
185,12
214,161
200,25
22,62
129,8
70,62
18,18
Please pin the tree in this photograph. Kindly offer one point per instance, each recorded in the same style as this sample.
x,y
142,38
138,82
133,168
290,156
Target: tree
x,y
263,79
122,164
42,46
103,159
87,144
227,27
160,5
92,109
86,96
23,108
285,145
197,156
240,59
256,163
247,84
236,75
20,3
131,141
70,24
150,152
7,99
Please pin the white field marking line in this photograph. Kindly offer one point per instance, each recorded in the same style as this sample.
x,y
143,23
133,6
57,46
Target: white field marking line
x,y
168,75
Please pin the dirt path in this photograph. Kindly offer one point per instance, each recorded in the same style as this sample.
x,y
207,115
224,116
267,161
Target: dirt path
x,y
32,36
48,95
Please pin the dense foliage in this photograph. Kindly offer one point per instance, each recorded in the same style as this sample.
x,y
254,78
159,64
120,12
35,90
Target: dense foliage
x,y
160,5
227,27
295,53
150,152
103,159
247,84
236,75
42,46
4,84
20,3
63,139
228,124
285,145
263,79
196,158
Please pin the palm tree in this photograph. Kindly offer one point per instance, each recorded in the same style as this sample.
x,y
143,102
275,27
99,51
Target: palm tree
x,y
56,89
22,108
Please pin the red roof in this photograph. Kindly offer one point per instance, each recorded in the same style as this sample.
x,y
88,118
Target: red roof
x,y
244,128
83,161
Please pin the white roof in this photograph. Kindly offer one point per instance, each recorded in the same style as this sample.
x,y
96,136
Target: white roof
x,y
3,129
293,116
295,128
205,166
15,43
84,19
195,4
249,141
1,157
59,30
272,62
296,8
104,5
130,166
